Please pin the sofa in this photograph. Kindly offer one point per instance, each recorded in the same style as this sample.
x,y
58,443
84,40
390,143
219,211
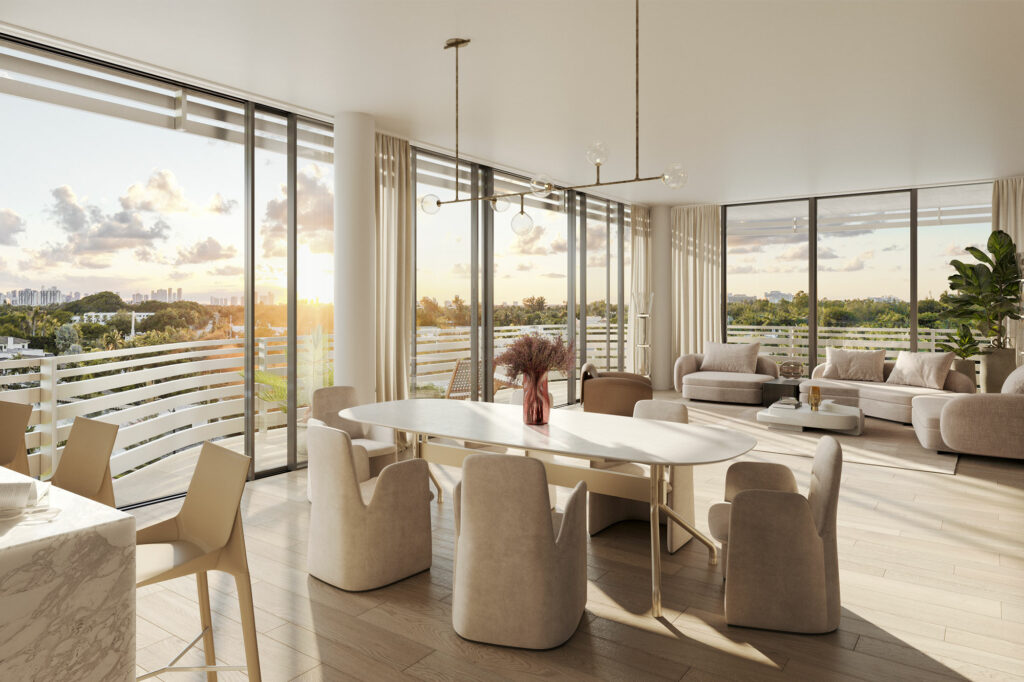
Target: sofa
x,y
989,424
893,402
612,392
716,385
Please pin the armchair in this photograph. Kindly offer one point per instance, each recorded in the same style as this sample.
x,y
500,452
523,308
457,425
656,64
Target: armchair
x,y
726,387
612,392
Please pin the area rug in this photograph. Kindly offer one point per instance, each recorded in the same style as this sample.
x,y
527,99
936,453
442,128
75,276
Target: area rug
x,y
883,443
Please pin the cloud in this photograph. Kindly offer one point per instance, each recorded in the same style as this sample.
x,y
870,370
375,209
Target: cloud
x,y
529,244
205,251
315,196
598,260
160,194
71,216
597,236
227,271
461,270
852,265
218,204
553,275
559,245
800,253
524,267
741,269
177,276
894,247
10,224
735,247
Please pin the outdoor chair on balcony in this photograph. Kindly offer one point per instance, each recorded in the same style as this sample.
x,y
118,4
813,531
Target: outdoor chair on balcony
x,y
460,385
13,423
364,532
206,535
84,467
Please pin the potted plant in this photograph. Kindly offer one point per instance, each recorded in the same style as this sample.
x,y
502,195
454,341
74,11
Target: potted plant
x,y
987,294
965,347
532,356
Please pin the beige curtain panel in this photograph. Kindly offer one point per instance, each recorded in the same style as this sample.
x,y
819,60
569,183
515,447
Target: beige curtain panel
x,y
395,248
696,277
640,250
1008,216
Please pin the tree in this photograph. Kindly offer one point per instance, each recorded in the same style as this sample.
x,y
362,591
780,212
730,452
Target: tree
x,y
102,302
535,304
459,314
122,322
67,338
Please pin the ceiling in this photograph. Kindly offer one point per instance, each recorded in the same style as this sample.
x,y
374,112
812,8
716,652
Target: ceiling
x,y
760,99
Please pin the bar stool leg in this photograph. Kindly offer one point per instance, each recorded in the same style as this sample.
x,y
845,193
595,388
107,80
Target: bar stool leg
x,y
205,619
252,658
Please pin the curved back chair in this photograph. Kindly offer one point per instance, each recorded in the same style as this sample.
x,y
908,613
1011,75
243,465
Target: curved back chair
x,y
605,510
14,419
206,535
517,582
612,392
380,444
364,532
84,467
781,561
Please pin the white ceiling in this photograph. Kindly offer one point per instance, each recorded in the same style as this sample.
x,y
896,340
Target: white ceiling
x,y
758,99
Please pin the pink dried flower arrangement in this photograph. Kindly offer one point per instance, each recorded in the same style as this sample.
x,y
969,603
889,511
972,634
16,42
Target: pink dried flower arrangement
x,y
537,355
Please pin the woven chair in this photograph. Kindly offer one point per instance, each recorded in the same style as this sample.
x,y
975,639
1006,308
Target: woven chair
x,y
460,384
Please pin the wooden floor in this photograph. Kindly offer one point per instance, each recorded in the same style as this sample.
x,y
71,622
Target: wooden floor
x,y
932,572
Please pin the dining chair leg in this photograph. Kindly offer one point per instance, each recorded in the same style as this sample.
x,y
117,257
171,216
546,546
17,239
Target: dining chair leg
x,y
252,658
205,619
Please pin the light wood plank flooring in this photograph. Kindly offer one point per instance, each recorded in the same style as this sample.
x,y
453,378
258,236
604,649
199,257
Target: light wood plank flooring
x,y
932,588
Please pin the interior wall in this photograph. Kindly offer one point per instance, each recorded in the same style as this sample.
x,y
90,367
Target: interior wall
x,y
661,284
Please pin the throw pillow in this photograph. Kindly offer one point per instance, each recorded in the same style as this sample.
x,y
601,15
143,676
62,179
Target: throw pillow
x,y
928,370
730,357
854,365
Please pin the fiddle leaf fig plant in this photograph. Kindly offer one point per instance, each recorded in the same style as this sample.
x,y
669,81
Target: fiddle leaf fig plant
x,y
988,293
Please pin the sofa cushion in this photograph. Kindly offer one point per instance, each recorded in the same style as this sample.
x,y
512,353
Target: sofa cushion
x,y
854,365
868,390
921,369
726,380
730,357
1015,382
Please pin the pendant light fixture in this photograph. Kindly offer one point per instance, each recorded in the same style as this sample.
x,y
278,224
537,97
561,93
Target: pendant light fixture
x,y
542,185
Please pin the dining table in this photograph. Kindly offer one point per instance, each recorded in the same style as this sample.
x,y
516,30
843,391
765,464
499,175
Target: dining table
x,y
436,427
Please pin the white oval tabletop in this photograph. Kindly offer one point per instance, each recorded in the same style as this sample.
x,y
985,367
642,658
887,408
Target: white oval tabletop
x,y
569,432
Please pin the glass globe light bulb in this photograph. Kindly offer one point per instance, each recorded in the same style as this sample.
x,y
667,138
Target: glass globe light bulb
x,y
499,204
597,153
674,176
429,204
522,223
541,186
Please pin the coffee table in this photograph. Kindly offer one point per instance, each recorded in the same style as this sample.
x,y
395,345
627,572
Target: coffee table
x,y
831,416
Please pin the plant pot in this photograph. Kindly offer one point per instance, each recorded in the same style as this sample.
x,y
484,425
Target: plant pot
x,y
995,367
967,367
536,399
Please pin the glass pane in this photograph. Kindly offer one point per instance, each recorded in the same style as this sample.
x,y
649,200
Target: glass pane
x,y
441,366
121,271
315,283
767,278
530,280
602,348
864,273
271,333
627,286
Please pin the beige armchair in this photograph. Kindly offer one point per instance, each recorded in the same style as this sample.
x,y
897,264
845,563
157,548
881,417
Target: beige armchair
x,y
518,581
724,387
779,553
605,510
14,418
364,532
84,467
612,392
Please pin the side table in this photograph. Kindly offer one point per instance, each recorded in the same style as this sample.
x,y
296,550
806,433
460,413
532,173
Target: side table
x,y
777,389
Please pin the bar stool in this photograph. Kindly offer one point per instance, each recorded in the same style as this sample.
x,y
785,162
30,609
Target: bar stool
x,y
84,467
13,422
206,535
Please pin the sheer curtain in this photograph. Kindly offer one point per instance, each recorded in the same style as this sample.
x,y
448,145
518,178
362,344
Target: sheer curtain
x,y
395,250
696,277
640,277
1008,216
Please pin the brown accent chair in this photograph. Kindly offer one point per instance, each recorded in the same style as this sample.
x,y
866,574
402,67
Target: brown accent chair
x,y
779,552
84,467
518,581
14,418
612,392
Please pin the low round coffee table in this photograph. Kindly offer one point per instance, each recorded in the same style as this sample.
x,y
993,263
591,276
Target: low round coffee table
x,y
830,416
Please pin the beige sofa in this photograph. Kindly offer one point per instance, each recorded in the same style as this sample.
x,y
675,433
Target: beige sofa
x,y
893,402
986,424
723,387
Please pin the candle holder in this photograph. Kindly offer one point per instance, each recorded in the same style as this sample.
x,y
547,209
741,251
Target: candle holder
x,y
814,398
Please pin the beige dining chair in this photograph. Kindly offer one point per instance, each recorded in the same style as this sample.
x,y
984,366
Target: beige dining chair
x,y
779,553
364,532
84,467
518,581
605,510
14,419
206,535
378,442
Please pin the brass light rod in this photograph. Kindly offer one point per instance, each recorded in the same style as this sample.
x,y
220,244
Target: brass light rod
x,y
553,189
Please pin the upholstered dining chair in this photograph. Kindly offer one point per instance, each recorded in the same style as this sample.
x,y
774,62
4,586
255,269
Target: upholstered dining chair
x,y
206,535
518,581
779,553
364,532
84,467
13,422
605,510
378,442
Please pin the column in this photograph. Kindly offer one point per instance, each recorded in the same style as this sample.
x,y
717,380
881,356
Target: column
x,y
354,254
662,359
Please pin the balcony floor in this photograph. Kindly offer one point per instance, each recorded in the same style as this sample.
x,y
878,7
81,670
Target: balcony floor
x,y
931,584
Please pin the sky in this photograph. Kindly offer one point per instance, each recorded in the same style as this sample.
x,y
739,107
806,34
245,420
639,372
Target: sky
x,y
101,203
